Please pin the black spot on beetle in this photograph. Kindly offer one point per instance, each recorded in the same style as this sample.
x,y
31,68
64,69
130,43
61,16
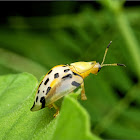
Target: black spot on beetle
x,y
38,91
56,75
33,106
45,83
64,66
74,83
48,89
76,74
49,71
42,100
40,83
67,76
43,91
36,98
66,70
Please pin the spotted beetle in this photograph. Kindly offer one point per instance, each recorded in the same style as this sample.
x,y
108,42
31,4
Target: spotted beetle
x,y
63,79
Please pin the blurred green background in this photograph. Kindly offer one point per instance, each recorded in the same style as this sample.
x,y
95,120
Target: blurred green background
x,y
36,36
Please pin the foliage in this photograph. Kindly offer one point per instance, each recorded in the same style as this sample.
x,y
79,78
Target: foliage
x,y
36,44
17,121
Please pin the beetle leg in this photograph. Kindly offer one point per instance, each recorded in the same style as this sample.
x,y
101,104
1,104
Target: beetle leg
x,y
83,95
57,110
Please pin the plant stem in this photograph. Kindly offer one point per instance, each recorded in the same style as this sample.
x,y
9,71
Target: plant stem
x,y
131,41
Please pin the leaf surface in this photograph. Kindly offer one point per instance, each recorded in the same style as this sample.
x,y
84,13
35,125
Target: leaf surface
x,y
18,122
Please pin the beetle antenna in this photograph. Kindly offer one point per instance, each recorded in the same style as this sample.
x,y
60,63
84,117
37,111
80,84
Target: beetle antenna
x,y
115,64
106,53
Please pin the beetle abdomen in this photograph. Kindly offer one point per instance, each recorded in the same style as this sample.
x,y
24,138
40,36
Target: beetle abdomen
x,y
59,81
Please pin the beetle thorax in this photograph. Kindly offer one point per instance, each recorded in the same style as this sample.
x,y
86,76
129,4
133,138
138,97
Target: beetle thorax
x,y
85,68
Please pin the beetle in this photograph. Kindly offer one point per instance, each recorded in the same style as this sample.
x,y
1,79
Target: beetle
x,y
63,79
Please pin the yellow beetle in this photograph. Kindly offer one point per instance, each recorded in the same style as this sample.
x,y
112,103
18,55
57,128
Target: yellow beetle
x,y
63,79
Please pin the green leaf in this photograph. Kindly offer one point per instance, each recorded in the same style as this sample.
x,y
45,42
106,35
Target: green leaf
x,y
18,122
36,44
73,122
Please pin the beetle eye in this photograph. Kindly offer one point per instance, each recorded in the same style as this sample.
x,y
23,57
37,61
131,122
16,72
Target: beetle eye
x,y
99,68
